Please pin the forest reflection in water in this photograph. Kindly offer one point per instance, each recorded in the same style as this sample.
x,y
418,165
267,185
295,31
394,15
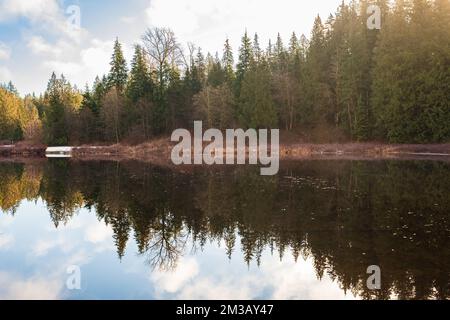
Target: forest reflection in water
x,y
343,215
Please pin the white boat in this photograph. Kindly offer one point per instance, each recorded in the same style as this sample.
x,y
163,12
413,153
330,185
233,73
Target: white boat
x,y
58,152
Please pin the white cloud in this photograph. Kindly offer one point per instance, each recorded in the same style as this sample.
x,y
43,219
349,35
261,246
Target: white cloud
x,y
62,239
42,247
36,9
6,240
54,43
172,281
98,233
35,288
45,15
38,45
6,221
82,64
97,56
275,279
208,22
292,280
128,19
5,51
5,74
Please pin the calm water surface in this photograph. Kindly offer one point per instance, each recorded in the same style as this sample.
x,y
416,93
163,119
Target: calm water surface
x,y
141,232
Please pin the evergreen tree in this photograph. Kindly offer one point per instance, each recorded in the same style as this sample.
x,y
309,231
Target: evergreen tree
x,y
317,92
256,48
410,87
294,47
279,48
140,82
118,75
228,62
216,75
256,107
245,59
56,132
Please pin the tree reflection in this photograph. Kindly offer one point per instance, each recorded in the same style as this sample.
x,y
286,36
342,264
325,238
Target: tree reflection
x,y
167,243
344,215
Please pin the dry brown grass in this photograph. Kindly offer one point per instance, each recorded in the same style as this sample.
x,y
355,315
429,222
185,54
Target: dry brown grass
x,y
159,150
23,149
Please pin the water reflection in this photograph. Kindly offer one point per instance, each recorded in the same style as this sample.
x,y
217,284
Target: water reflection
x,y
339,216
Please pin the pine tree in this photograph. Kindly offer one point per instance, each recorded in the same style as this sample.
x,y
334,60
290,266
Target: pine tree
x,y
245,59
256,48
256,107
269,51
58,97
317,96
410,95
228,62
118,75
12,88
279,48
216,75
140,82
294,48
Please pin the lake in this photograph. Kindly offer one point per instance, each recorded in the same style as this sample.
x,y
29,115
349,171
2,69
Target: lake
x,y
129,230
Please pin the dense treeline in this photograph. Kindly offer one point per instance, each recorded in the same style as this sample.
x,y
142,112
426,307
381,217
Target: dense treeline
x,y
343,215
346,82
19,118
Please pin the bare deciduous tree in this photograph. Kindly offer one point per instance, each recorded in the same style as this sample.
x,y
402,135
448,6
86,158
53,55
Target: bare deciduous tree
x,y
163,50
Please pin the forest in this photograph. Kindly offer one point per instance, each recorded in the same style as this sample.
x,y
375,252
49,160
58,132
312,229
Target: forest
x,y
343,82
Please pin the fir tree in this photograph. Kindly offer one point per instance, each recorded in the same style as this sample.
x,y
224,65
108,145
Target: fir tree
x,y
245,58
228,62
118,74
140,83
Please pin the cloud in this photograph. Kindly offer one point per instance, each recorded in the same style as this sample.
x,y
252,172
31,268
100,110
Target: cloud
x,y
38,45
42,247
208,22
276,280
172,281
298,280
45,15
5,74
5,51
82,64
13,287
128,20
36,9
98,233
6,240
54,41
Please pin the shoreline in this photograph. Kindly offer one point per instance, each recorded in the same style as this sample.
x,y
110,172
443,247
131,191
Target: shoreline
x,y
158,151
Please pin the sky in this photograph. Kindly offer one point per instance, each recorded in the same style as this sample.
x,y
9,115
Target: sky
x,y
75,37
